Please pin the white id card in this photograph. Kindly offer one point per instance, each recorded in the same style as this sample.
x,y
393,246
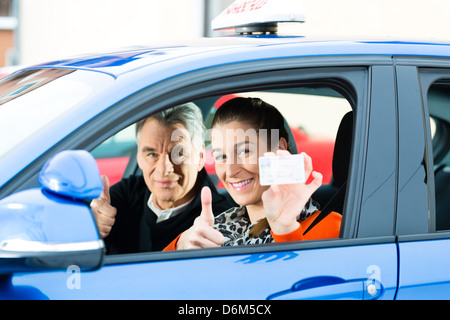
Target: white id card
x,y
281,170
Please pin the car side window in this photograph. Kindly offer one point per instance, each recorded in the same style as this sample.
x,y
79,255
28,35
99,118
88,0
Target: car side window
x,y
314,109
439,108
313,115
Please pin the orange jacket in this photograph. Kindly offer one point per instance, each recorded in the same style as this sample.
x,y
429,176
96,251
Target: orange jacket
x,y
328,228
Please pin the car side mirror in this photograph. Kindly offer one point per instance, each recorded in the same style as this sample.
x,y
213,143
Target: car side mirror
x,y
52,227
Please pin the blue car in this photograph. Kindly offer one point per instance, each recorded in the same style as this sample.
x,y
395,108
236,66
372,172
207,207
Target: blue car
x,y
384,104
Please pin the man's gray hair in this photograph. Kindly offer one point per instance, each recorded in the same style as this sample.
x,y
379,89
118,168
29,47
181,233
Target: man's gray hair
x,y
188,115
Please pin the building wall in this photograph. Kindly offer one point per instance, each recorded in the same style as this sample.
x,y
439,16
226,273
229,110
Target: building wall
x,y
397,19
53,29
6,45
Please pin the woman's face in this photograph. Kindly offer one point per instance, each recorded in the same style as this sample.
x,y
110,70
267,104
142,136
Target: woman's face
x,y
236,149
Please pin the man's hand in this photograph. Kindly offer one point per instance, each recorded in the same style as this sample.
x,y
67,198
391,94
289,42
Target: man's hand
x,y
202,234
105,214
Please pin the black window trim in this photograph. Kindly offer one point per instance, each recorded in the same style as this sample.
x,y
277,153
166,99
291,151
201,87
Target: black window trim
x,y
378,203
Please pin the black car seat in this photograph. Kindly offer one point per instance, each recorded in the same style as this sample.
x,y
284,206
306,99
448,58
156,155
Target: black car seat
x,y
292,146
442,190
333,194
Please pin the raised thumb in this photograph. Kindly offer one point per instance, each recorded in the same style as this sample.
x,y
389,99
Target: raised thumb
x,y
105,194
207,212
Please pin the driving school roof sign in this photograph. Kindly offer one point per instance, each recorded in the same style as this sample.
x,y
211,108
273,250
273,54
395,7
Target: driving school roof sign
x,y
253,13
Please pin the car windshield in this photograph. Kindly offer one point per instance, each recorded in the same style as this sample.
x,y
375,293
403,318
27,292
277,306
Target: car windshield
x,y
32,99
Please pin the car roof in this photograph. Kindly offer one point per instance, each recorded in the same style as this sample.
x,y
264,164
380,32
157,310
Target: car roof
x,y
243,48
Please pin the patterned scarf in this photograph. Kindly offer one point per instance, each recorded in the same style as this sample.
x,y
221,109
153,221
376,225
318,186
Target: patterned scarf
x,y
235,225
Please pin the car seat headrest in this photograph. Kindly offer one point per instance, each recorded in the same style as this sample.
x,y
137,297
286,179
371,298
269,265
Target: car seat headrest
x,y
292,146
342,150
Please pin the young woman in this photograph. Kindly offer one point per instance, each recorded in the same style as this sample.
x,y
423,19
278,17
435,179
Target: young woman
x,y
243,130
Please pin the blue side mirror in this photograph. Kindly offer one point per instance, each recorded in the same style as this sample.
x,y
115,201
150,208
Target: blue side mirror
x,y
72,173
53,227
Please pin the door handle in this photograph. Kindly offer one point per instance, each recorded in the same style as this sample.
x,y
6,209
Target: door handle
x,y
330,287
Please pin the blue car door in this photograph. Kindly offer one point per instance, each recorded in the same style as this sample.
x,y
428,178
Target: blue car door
x,y
366,271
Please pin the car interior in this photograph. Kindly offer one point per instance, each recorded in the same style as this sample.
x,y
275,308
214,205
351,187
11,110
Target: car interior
x,y
330,150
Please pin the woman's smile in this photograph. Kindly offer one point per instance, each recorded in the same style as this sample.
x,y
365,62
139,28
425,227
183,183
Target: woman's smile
x,y
241,185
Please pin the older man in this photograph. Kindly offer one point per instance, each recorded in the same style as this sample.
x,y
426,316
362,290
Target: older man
x,y
145,213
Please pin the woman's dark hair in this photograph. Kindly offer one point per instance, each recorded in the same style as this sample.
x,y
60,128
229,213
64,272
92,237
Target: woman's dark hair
x,y
258,114
253,111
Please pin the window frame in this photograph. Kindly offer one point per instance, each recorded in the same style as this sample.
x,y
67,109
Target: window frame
x,y
355,71
428,77
423,72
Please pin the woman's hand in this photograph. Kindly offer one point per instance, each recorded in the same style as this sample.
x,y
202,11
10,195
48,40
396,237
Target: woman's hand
x,y
284,203
202,234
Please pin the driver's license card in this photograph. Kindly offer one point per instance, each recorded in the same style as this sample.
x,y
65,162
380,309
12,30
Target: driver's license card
x,y
281,170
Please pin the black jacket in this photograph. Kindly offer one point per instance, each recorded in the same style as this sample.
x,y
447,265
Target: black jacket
x,y
135,228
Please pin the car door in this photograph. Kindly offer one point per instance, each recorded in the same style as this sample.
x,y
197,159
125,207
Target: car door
x,y
423,231
361,264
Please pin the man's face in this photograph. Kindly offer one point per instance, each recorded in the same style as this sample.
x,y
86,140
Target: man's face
x,y
169,162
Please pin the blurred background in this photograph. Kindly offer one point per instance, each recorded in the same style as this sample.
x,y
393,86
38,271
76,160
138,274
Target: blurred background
x,y
34,31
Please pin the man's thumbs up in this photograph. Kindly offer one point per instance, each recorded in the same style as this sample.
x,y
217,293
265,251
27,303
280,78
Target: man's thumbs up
x,y
105,194
105,214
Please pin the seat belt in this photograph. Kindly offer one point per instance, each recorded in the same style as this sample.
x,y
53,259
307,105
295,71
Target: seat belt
x,y
336,201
